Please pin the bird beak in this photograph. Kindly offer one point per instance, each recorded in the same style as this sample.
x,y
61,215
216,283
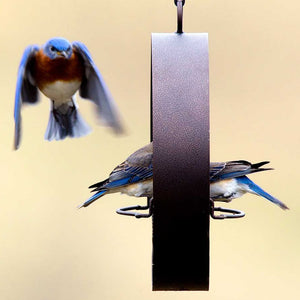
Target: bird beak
x,y
62,53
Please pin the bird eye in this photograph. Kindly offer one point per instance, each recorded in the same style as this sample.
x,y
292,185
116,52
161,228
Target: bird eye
x,y
52,48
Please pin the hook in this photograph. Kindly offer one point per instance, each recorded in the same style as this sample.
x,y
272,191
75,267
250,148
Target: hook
x,y
179,4
233,213
183,2
127,211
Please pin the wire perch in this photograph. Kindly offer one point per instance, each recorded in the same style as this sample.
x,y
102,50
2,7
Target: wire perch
x,y
233,213
131,210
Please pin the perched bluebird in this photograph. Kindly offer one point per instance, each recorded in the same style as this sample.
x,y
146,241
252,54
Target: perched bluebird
x,y
228,180
59,69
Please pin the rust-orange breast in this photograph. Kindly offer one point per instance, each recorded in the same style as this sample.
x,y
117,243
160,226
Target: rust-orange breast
x,y
48,70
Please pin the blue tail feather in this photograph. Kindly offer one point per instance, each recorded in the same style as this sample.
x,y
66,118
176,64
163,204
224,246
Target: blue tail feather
x,y
255,189
92,199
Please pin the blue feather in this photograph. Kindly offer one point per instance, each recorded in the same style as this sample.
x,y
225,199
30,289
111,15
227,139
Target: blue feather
x,y
92,198
118,183
20,78
259,191
25,90
95,89
231,175
130,178
59,43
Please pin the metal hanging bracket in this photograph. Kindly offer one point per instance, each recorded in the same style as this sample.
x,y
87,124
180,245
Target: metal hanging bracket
x,y
179,4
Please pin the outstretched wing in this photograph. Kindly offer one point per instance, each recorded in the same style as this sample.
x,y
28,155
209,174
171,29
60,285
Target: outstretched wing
x,y
94,88
26,90
232,169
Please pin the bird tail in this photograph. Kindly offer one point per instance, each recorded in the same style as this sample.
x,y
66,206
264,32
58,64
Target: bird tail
x,y
64,121
255,189
92,198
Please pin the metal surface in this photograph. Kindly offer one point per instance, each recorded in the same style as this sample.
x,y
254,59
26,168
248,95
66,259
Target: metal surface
x,y
180,132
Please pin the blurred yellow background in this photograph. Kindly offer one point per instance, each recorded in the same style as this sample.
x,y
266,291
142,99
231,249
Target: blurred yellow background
x,y
51,250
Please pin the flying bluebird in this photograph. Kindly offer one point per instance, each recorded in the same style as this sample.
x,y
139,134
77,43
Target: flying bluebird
x,y
134,177
59,69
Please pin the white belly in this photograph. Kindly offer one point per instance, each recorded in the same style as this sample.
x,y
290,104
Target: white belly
x,y
139,189
226,190
61,91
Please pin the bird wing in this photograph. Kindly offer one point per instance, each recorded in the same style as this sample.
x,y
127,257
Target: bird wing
x,y
232,169
124,174
137,167
26,90
94,88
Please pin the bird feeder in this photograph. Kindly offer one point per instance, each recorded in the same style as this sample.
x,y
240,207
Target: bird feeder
x,y
181,206
180,132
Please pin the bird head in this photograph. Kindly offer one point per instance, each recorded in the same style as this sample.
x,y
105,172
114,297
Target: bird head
x,y
58,48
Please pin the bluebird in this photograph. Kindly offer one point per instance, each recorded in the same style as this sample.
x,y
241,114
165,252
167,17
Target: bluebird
x,y
134,177
59,69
